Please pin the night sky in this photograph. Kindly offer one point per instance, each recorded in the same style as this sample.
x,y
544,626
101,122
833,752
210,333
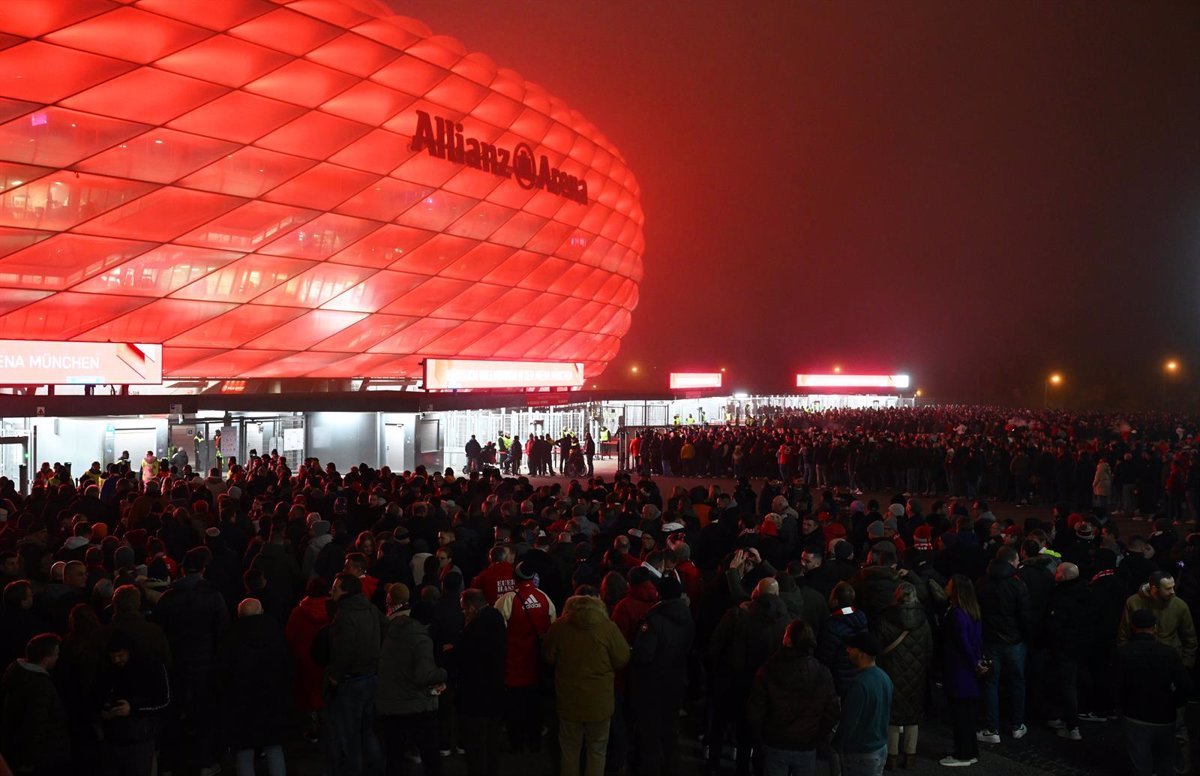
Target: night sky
x,y
976,193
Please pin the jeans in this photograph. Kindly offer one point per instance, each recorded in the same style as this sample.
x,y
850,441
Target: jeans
x,y
573,737
1151,747
785,762
275,763
351,748
863,763
1008,667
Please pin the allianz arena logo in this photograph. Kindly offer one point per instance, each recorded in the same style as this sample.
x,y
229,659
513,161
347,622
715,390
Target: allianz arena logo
x,y
443,138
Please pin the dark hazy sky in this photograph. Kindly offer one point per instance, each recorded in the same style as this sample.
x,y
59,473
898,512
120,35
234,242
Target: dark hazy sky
x,y
975,192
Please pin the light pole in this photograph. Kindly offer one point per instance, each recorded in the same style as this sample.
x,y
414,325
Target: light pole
x,y
1169,370
1054,379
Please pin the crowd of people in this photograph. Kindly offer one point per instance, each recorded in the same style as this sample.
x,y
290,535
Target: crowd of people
x,y
157,620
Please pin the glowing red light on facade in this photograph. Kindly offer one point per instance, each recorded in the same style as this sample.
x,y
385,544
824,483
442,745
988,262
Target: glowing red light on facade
x,y
251,186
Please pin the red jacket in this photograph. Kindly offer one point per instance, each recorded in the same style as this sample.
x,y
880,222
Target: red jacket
x,y
529,613
495,580
692,580
633,608
309,616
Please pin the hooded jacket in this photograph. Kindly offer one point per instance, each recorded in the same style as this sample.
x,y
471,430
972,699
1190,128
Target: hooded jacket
x,y
633,608
908,662
407,672
1004,602
305,621
658,661
1175,627
586,650
792,705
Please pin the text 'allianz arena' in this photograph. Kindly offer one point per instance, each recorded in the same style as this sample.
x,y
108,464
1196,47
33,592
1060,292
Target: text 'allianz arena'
x,y
312,189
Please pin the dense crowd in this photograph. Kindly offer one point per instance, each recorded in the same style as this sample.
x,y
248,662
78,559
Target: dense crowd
x,y
158,620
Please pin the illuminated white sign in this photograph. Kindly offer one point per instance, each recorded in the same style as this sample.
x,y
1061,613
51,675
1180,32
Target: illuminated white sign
x,y
895,382
685,380
443,374
32,362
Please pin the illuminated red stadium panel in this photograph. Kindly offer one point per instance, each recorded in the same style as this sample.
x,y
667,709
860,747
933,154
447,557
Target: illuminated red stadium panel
x,y
314,188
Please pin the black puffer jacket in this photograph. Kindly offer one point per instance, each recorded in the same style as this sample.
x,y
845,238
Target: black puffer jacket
x,y
1070,621
792,705
1004,600
1039,580
831,646
658,661
907,663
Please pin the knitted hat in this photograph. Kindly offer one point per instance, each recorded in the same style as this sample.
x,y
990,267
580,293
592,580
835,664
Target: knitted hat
x,y
923,538
1143,618
897,510
875,529
1084,530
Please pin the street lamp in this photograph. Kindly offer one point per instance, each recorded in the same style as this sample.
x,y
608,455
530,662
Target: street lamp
x,y
1170,368
1054,379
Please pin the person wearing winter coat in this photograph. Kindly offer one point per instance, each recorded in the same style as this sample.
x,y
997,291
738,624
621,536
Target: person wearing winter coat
x,y
962,639
409,685
303,625
1108,604
903,631
1069,622
657,679
528,613
351,680
845,620
1151,687
744,639
1004,602
478,659
586,649
194,615
133,693
636,603
1174,627
254,675
147,637
792,706
34,727
319,537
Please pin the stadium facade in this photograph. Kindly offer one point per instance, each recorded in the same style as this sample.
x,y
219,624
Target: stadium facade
x,y
310,189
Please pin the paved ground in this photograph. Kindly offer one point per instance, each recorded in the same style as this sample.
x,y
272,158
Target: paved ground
x,y
1041,752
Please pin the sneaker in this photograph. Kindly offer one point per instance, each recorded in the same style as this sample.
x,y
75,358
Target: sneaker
x,y
459,750
1058,724
1071,734
444,752
987,737
211,770
1088,716
1019,731
953,762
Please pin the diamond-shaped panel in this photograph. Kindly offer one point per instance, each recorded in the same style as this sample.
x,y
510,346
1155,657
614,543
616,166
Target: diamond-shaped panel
x,y
299,188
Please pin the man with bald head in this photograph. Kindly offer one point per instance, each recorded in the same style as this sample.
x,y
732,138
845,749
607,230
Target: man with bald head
x,y
745,638
1071,642
253,672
